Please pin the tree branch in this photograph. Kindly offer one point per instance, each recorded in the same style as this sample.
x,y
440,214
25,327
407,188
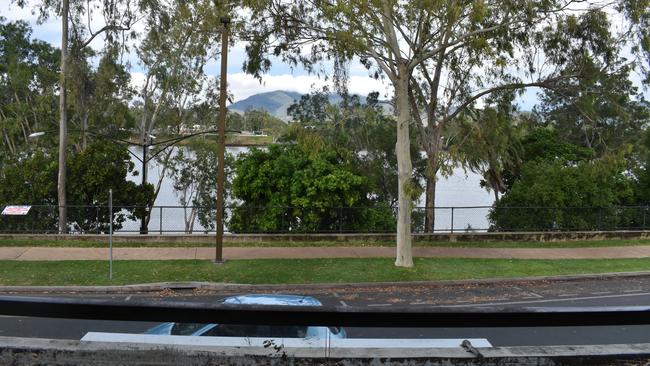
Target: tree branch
x,y
547,84
104,29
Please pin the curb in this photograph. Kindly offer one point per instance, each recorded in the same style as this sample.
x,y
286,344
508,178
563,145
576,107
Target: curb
x,y
234,287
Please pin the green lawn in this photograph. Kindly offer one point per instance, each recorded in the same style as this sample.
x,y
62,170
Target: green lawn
x,y
294,271
506,244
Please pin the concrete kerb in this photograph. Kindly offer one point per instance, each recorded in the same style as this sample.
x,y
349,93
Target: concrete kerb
x,y
234,287
59,352
544,236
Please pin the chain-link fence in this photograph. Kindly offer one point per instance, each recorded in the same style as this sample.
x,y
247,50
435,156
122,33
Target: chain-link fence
x,y
379,219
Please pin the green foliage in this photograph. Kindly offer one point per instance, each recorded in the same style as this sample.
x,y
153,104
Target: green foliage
x,y
302,188
602,112
551,195
258,121
193,171
642,171
542,145
311,109
362,128
31,179
28,77
110,95
492,146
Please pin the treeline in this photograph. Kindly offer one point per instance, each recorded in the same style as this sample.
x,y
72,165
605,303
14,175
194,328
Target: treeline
x,y
105,111
335,169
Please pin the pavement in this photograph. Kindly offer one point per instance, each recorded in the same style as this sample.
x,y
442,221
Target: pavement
x,y
58,254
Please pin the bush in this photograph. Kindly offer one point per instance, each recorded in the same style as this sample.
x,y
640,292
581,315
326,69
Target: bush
x,y
556,196
303,188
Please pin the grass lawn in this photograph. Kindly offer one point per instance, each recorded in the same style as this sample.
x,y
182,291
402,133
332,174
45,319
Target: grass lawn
x,y
506,244
294,271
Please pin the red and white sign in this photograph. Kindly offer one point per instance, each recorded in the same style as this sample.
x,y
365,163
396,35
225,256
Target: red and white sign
x,y
16,210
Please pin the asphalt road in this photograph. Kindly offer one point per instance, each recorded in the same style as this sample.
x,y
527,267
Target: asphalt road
x,y
632,291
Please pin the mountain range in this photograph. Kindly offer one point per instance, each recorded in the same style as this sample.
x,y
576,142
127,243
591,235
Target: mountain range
x,y
275,102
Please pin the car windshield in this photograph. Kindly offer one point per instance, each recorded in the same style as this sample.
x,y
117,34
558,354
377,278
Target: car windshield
x,y
272,331
186,328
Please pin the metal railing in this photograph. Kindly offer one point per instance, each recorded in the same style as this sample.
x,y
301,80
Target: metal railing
x,y
347,316
273,219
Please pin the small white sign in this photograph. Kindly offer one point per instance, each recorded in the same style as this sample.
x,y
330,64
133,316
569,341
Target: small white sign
x,y
16,210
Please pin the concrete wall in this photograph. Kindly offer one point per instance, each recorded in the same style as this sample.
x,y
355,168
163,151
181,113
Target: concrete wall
x,y
267,238
32,351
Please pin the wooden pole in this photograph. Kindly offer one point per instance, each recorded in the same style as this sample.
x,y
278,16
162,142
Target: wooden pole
x,y
218,258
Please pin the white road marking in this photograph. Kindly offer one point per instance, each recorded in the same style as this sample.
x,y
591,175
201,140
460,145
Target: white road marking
x,y
379,305
532,295
343,303
335,294
547,300
128,298
417,303
628,291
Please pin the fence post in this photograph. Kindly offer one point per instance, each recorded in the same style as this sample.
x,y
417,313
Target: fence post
x,y
340,220
645,210
160,226
97,218
452,220
600,218
282,223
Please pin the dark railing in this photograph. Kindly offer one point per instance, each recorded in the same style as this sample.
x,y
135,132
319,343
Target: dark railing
x,y
195,312
379,219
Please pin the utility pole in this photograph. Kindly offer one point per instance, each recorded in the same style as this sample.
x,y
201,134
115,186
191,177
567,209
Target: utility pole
x,y
63,133
221,137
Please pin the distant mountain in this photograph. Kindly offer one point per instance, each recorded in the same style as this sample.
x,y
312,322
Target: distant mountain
x,y
277,102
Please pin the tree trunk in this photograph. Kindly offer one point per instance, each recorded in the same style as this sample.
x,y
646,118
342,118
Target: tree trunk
x,y
63,133
432,149
84,127
161,176
430,202
404,256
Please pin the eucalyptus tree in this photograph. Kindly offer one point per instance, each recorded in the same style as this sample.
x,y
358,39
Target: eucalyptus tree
x,y
118,18
492,145
181,37
194,177
604,113
440,56
488,52
28,76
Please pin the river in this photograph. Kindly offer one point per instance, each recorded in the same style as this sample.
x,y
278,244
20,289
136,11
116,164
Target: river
x,y
461,189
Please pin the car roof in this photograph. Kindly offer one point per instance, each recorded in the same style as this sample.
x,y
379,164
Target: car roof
x,y
272,299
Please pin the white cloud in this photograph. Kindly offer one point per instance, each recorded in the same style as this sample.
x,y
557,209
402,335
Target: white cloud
x,y
243,85
137,80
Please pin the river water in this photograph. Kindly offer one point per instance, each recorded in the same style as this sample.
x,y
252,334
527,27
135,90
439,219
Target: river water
x,y
459,190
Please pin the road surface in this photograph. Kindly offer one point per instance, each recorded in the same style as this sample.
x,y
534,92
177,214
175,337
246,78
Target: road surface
x,y
631,291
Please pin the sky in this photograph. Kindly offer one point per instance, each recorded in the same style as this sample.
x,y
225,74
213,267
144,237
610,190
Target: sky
x,y
241,85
